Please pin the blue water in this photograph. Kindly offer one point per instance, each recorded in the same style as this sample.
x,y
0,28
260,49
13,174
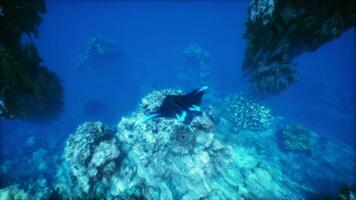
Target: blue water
x,y
152,36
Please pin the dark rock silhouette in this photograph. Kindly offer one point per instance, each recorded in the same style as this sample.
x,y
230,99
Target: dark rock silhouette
x,y
277,31
28,90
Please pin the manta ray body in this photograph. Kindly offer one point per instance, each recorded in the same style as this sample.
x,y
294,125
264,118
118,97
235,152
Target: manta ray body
x,y
183,107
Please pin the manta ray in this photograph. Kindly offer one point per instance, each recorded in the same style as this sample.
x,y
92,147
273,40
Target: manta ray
x,y
182,107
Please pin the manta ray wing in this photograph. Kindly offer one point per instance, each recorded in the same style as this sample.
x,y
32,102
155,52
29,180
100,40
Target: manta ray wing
x,y
171,106
183,107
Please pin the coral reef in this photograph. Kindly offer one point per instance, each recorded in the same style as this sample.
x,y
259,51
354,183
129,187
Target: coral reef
x,y
297,137
203,123
13,192
166,159
245,113
98,47
159,154
19,17
92,153
36,190
277,31
37,157
29,91
166,153
329,164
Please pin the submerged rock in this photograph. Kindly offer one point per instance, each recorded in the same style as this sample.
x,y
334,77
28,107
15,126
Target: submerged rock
x,y
164,158
279,30
29,91
13,192
35,189
169,158
91,155
37,157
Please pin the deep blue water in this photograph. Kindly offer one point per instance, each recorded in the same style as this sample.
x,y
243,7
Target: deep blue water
x,y
152,36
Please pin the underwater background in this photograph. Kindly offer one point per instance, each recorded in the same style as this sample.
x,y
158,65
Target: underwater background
x,y
117,60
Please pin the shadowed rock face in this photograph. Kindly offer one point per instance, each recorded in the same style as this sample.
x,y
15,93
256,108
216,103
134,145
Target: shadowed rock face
x,y
29,91
277,31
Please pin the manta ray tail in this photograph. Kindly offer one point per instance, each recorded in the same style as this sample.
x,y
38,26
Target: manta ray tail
x,y
145,119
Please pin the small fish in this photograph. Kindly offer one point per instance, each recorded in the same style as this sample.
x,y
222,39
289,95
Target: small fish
x,y
182,107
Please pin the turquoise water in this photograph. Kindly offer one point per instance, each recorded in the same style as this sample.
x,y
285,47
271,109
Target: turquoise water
x,y
118,60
